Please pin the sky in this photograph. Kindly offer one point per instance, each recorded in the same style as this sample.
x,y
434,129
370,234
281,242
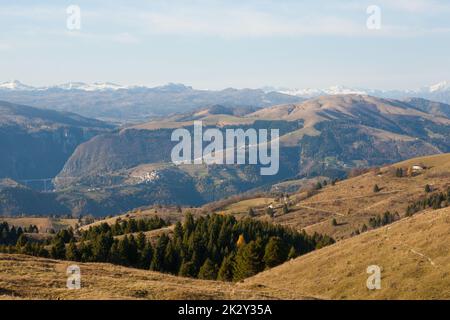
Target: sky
x,y
214,44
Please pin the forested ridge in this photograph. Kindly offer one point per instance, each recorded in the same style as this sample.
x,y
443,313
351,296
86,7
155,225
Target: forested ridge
x,y
210,247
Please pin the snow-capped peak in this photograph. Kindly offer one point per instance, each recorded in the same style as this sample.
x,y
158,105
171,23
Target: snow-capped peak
x,y
15,85
441,86
97,86
343,90
311,92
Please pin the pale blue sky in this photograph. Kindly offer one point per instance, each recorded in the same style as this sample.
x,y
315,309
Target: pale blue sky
x,y
216,44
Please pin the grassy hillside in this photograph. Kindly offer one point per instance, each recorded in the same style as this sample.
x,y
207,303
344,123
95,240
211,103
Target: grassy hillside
x,y
352,202
413,254
325,136
25,277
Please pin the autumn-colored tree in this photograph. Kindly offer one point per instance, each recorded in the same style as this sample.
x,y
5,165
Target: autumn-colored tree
x,y
241,241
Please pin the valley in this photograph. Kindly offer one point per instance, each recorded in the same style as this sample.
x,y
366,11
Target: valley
x,y
184,152
119,169
410,249
361,179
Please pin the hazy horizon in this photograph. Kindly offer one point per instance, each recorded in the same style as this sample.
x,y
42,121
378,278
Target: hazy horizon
x,y
220,44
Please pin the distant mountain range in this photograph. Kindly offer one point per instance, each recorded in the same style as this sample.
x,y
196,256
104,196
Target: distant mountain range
x,y
132,104
424,92
325,136
122,104
102,169
16,85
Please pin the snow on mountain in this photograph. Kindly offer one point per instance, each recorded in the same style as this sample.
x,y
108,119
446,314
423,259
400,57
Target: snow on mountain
x,y
308,92
439,87
89,87
344,90
311,92
98,86
14,85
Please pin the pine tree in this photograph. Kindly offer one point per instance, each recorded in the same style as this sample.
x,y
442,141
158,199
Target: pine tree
x,y
171,263
376,188
146,256
158,256
208,271
141,240
248,261
275,252
226,269
285,209
187,269
22,241
58,250
178,232
428,188
123,248
292,253
101,247
189,224
72,253
133,255
85,252
141,225
114,255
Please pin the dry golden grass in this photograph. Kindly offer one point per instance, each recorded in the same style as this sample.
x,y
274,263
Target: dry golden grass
x,y
43,224
26,277
413,253
243,206
352,202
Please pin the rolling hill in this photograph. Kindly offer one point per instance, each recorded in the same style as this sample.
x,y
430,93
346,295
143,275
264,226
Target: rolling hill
x,y
353,202
325,136
412,253
25,277
35,143
116,171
